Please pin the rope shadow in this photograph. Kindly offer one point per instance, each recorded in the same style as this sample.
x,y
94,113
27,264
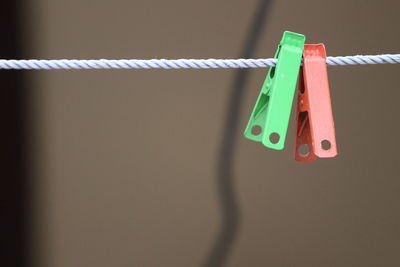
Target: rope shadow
x,y
224,172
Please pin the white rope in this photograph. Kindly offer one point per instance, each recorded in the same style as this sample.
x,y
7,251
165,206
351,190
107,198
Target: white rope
x,y
182,63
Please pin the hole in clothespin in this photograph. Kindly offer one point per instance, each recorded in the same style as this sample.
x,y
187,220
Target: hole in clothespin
x,y
326,145
274,138
272,72
256,130
303,150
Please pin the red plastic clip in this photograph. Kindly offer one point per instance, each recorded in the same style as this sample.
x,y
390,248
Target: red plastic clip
x,y
315,129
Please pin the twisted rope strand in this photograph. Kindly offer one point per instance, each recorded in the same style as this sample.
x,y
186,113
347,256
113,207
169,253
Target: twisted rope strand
x,y
182,63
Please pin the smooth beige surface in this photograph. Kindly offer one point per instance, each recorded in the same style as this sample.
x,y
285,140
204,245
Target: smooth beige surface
x,y
126,159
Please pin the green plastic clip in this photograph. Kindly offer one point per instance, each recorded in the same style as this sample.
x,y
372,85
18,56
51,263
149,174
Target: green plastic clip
x,y
270,117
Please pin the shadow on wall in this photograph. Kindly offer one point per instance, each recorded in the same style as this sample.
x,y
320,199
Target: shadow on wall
x,y
14,212
14,192
224,174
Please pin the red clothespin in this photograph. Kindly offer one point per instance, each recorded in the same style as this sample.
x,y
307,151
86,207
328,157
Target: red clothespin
x,y
315,129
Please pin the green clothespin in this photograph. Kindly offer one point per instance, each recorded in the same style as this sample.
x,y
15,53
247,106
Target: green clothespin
x,y
270,117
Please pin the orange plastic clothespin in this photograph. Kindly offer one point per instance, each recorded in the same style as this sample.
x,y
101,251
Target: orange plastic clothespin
x,y
315,129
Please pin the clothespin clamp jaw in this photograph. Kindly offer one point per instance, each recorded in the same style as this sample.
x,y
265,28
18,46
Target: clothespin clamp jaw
x,y
270,117
315,130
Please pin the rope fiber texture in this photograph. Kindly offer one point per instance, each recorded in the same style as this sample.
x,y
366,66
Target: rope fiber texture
x,y
182,63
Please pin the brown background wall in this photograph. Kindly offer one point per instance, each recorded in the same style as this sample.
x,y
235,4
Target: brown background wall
x,y
126,161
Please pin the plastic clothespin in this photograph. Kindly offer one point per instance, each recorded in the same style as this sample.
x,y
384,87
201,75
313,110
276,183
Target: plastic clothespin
x,y
315,130
270,117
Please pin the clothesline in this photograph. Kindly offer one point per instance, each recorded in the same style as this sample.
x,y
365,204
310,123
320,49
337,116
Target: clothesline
x,y
181,63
